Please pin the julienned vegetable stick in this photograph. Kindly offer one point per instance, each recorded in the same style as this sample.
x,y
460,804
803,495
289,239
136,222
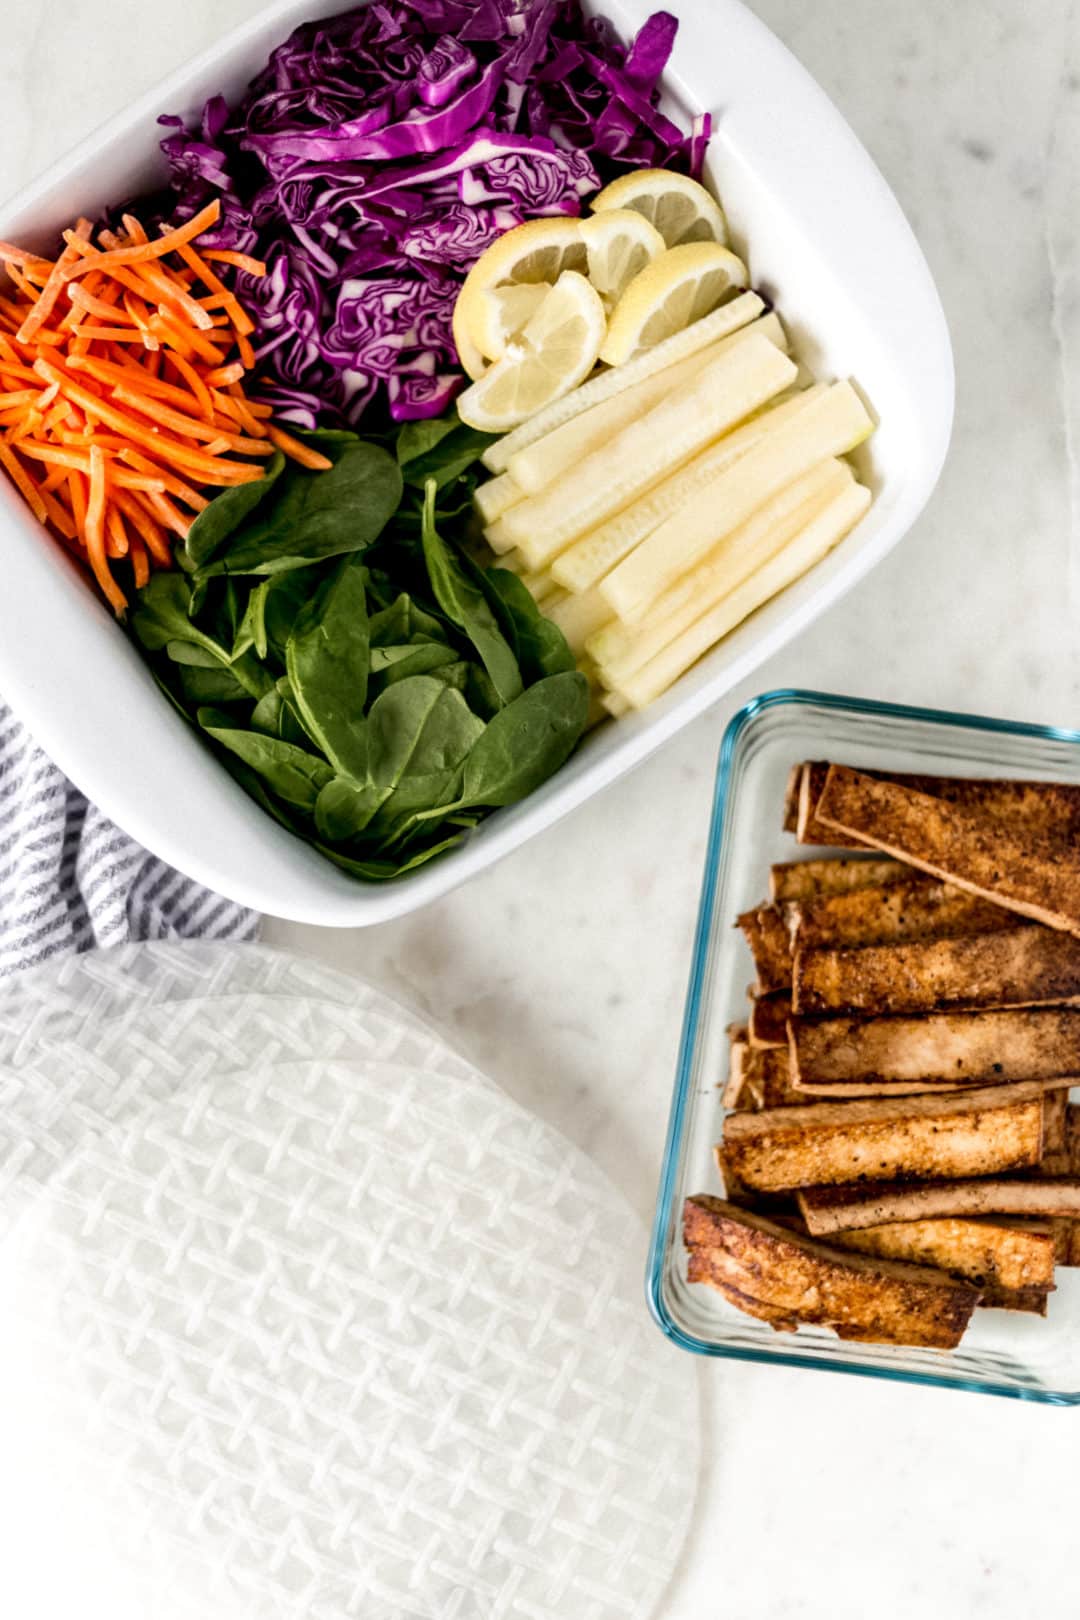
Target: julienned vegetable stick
x,y
586,562
493,498
723,321
615,705
620,648
500,541
540,464
578,615
815,542
542,588
726,390
829,426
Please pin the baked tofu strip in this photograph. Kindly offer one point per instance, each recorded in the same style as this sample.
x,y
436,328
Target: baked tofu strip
x,y
780,1206
1023,967
788,1279
812,880
968,1133
893,915
988,1253
1065,1162
1005,860
1048,810
759,1077
1015,1299
736,1091
957,1048
766,932
847,1209
769,1014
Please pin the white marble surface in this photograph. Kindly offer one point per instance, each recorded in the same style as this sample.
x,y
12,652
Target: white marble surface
x,y
563,971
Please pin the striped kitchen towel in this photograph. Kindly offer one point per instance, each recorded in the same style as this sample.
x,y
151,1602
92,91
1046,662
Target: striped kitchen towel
x,y
70,880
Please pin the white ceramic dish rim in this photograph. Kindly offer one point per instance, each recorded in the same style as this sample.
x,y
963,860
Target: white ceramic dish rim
x,y
207,826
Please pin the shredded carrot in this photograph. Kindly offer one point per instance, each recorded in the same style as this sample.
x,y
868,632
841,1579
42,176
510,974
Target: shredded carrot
x,y
122,401
196,384
169,515
23,482
240,261
140,562
225,375
54,282
95,531
241,320
104,307
115,533
91,258
299,452
150,530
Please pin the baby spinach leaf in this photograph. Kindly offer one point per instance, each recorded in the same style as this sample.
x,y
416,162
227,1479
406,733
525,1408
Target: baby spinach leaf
x,y
266,715
225,514
295,776
285,596
420,732
540,645
217,685
442,448
526,742
161,619
464,603
389,664
379,871
480,693
343,809
252,631
314,515
326,660
402,620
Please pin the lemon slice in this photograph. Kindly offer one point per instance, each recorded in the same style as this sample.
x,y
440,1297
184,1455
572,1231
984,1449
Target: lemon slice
x,y
556,351
680,208
472,361
671,293
532,254
502,312
619,243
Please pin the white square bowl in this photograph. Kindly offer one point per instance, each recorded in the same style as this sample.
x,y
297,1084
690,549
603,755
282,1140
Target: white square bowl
x,y
824,238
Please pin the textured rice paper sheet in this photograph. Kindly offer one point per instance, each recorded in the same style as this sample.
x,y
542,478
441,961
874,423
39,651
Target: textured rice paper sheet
x,y
324,1335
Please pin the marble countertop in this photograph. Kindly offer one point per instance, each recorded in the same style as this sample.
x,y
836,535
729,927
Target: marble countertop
x,y
563,971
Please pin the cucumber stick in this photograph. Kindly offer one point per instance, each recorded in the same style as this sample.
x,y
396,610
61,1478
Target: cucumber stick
x,y
585,562
830,425
655,445
495,497
723,321
821,534
619,648
579,615
540,464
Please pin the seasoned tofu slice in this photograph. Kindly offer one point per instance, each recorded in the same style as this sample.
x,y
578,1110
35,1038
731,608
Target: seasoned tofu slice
x,y
892,915
1002,1253
1008,859
766,932
959,1048
978,1132
1022,967
769,1014
813,880
787,1279
1047,810
876,1203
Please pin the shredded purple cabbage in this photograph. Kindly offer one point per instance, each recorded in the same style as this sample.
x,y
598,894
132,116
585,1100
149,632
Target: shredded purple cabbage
x,y
379,153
